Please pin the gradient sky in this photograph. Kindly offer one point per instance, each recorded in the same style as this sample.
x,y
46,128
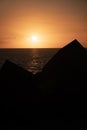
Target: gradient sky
x,y
55,22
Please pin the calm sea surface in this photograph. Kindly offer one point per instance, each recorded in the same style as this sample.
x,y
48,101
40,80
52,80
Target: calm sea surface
x,y
31,59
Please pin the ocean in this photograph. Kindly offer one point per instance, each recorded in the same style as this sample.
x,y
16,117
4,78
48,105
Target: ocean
x,y
32,60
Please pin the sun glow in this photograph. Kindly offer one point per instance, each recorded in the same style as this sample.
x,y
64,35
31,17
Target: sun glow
x,y
34,38
34,41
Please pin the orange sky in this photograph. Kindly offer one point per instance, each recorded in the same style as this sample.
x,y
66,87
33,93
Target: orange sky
x,y
54,22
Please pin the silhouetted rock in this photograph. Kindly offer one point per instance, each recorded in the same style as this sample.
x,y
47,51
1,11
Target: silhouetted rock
x,y
63,78
17,91
71,57
59,92
16,77
70,63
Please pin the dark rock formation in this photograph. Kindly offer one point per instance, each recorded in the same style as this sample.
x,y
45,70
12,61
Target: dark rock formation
x,y
56,96
72,57
63,80
17,94
68,65
16,77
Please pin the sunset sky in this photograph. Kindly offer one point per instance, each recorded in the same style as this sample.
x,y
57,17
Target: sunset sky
x,y
52,23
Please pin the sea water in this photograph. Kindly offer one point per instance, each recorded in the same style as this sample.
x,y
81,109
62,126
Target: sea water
x,y
32,60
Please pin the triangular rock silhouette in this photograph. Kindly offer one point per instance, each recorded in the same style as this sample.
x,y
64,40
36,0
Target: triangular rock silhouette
x,y
64,76
71,57
65,71
16,91
11,69
16,77
68,68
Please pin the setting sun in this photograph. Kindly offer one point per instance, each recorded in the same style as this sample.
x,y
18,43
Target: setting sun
x,y
34,38
42,23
